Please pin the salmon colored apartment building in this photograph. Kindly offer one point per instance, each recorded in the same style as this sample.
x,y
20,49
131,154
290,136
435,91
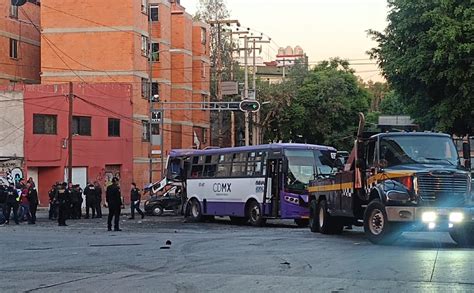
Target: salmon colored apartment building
x,y
96,44
108,41
19,43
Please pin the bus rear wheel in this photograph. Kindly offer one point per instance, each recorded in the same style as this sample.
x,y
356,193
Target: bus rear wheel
x,y
195,213
254,213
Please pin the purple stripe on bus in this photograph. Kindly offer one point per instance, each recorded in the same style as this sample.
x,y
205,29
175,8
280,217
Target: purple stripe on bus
x,y
237,209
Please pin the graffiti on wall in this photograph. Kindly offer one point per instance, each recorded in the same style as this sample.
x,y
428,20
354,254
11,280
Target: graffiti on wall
x,y
107,173
11,171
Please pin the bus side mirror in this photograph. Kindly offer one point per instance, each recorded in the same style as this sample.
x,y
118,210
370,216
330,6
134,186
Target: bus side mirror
x,y
466,154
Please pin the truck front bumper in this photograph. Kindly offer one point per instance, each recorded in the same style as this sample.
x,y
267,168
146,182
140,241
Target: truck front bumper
x,y
431,217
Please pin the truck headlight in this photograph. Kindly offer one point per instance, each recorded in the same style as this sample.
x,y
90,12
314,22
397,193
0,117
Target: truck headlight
x,y
456,217
428,217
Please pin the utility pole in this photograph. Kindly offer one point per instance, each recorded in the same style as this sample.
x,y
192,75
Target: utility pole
x,y
219,23
246,90
232,113
69,136
256,116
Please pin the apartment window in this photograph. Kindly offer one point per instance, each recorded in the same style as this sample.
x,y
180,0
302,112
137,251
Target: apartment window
x,y
154,12
203,36
13,48
155,52
44,124
14,11
144,6
146,131
155,90
144,46
114,127
145,88
81,125
203,69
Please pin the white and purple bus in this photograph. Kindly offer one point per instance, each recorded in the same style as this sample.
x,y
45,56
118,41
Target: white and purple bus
x,y
249,184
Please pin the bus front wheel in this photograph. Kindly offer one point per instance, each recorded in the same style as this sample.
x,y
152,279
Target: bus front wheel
x,y
255,214
195,213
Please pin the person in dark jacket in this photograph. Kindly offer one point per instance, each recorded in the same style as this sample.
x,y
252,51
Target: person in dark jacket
x,y
34,201
3,203
25,204
12,203
113,198
62,194
90,194
135,198
76,201
53,202
98,199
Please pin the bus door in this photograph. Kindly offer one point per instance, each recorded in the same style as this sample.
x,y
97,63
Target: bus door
x,y
273,180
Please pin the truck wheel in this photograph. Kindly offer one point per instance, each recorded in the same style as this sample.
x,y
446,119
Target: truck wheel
x,y
195,211
255,214
376,225
302,222
313,215
463,235
326,223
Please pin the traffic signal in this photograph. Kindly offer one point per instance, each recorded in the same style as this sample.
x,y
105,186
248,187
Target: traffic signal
x,y
18,2
249,106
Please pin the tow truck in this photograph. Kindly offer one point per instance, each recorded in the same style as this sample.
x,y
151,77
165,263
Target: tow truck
x,y
395,182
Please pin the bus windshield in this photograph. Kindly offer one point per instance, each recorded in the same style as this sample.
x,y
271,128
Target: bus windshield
x,y
300,169
413,149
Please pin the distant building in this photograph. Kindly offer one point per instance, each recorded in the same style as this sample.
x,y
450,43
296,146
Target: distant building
x,y
275,71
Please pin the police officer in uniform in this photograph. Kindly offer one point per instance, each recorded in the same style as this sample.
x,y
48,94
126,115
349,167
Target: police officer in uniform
x,y
34,201
62,194
90,194
135,197
53,202
98,199
12,203
113,198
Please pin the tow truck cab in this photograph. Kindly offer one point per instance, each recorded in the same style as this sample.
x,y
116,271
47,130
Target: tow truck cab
x,y
396,182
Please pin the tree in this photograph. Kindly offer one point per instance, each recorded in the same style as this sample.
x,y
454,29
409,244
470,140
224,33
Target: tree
x,y
214,10
392,104
425,53
321,108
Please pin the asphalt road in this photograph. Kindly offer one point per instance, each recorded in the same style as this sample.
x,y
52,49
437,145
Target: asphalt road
x,y
219,257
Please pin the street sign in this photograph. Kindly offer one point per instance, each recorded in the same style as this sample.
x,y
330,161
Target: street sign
x,y
229,88
155,116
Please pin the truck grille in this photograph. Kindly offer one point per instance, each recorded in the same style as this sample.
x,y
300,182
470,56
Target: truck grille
x,y
443,188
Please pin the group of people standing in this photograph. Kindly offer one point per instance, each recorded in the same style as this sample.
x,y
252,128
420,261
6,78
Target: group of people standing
x,y
21,199
65,202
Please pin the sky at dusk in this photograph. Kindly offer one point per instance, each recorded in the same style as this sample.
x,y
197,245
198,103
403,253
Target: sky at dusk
x,y
323,28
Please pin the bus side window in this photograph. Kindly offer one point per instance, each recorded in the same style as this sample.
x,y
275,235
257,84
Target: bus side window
x,y
239,165
211,166
197,168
